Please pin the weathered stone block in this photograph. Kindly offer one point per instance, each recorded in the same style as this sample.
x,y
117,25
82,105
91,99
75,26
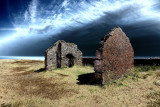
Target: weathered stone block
x,y
115,57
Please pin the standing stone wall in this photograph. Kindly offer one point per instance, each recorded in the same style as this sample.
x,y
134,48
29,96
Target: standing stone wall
x,y
70,48
50,58
115,57
61,55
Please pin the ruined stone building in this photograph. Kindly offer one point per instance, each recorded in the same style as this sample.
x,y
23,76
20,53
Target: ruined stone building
x,y
62,54
115,57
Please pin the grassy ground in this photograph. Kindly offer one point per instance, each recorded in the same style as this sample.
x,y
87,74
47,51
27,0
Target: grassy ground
x,y
24,83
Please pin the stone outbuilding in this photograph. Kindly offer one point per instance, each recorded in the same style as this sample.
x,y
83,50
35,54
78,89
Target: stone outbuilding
x,y
62,54
115,57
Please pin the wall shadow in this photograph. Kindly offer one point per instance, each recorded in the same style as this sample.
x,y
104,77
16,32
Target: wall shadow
x,y
87,79
40,70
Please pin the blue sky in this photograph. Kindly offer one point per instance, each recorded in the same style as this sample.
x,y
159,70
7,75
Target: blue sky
x,y
29,27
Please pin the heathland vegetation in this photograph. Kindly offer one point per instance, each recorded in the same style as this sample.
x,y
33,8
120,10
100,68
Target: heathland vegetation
x,y
24,83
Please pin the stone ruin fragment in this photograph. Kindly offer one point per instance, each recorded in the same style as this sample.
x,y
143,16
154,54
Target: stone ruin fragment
x,y
62,54
115,57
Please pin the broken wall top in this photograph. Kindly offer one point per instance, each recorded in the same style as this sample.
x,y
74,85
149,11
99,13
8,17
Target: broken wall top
x,y
61,41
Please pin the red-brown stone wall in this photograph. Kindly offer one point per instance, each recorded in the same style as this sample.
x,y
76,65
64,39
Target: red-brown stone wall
x,y
117,55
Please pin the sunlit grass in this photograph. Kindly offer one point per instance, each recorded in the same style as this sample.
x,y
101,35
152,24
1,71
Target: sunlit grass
x,y
74,71
22,86
155,99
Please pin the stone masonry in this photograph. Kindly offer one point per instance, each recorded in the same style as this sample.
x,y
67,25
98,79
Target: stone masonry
x,y
115,57
62,54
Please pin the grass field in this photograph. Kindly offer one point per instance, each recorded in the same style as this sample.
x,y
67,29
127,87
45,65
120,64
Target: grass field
x,y
24,83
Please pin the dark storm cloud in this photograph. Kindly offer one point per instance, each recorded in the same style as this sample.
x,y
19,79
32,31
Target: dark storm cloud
x,y
117,17
142,30
144,35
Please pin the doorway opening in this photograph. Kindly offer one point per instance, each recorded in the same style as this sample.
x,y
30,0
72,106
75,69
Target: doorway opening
x,y
70,58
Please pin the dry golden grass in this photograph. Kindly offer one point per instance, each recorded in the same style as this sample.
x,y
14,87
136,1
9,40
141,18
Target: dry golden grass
x,y
24,83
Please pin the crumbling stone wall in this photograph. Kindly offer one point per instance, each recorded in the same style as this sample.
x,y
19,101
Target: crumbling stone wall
x,y
62,54
115,57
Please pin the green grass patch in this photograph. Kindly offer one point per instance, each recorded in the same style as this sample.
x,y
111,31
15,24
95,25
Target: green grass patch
x,y
146,68
138,72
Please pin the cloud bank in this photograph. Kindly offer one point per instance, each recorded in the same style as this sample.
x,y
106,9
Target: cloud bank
x,y
78,18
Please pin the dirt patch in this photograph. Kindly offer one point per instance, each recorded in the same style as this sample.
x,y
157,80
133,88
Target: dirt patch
x,y
25,73
44,88
51,88
18,69
22,62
